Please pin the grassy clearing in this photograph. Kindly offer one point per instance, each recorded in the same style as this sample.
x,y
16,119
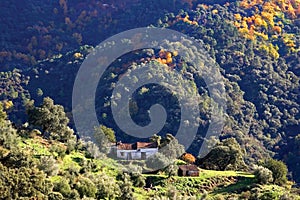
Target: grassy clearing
x,y
35,146
208,180
68,162
40,147
241,184
212,173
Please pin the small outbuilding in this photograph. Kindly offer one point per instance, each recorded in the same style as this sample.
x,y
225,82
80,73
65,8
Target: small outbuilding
x,y
188,170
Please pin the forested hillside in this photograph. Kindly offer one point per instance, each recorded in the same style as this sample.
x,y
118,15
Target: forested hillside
x,y
256,47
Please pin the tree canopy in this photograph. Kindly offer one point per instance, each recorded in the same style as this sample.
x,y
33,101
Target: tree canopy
x,y
51,119
226,155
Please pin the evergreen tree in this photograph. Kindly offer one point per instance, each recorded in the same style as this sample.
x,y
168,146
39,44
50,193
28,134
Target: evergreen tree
x,y
227,155
109,133
279,170
51,119
103,136
18,183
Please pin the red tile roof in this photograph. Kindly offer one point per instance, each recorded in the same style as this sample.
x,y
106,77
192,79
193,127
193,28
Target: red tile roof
x,y
141,145
137,145
124,146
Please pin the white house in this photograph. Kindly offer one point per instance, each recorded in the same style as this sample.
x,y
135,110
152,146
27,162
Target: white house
x,y
135,151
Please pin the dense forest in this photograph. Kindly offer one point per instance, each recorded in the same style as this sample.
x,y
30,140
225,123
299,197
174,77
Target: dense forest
x,y
256,47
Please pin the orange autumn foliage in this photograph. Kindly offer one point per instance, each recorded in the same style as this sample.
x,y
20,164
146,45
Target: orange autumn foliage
x,y
258,21
269,17
166,57
186,20
277,29
189,158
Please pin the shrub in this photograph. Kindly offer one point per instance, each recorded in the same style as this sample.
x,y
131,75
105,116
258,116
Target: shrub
x,y
255,193
71,145
286,197
263,175
8,134
48,165
58,149
86,187
171,170
269,195
219,197
63,187
135,172
23,182
246,195
107,187
55,196
138,179
172,193
126,187
92,151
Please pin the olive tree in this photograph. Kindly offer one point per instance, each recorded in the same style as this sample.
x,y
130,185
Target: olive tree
x,y
51,119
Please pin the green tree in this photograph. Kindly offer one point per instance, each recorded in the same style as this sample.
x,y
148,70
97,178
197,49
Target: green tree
x,y
109,133
126,187
17,183
101,139
107,187
156,138
157,161
171,148
51,119
86,187
63,187
279,170
8,134
227,155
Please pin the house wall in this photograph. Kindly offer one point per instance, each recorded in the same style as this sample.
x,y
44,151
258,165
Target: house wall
x,y
125,154
149,152
192,173
135,154
183,172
